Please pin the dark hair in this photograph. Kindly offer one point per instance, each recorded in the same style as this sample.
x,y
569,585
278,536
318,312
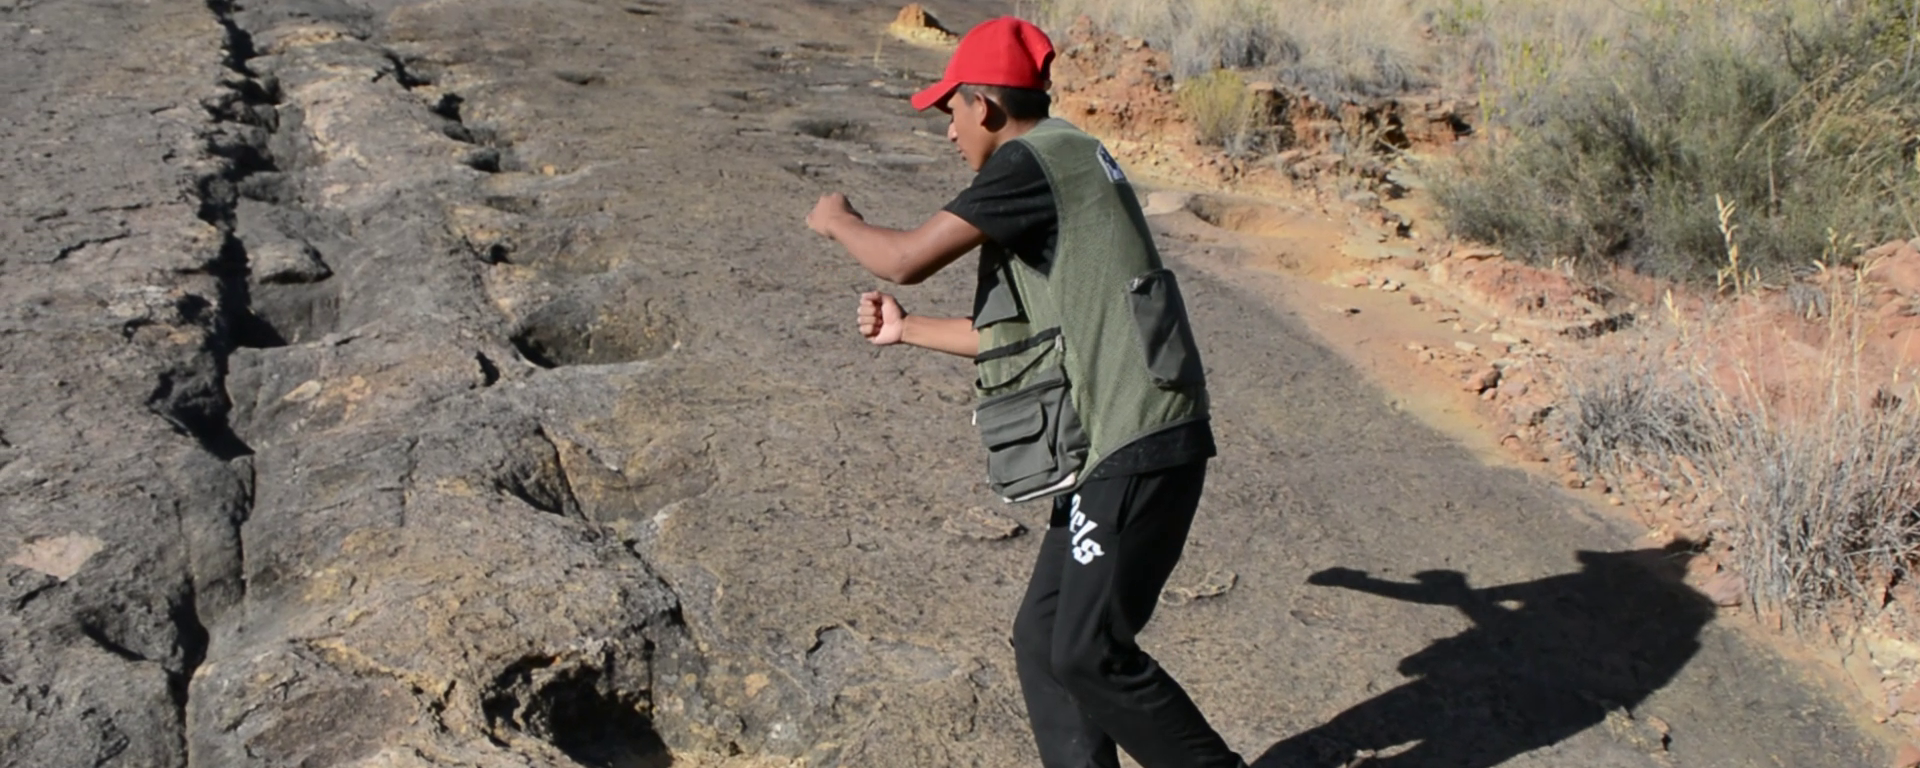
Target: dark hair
x,y
1018,103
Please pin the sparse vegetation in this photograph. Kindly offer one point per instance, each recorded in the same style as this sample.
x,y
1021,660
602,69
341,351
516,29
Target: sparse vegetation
x,y
1223,112
1616,124
1817,483
1625,157
1365,47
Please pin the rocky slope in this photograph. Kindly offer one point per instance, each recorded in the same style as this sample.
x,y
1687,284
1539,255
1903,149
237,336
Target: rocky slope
x,y
427,383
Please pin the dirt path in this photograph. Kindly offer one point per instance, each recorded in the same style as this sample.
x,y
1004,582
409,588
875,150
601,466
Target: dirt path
x,y
665,367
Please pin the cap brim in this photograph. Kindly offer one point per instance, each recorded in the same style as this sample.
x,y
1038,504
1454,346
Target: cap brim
x,y
935,95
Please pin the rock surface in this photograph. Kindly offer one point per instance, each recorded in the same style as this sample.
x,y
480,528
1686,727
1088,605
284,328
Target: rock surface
x,y
418,383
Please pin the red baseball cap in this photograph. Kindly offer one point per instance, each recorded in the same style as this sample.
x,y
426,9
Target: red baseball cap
x,y
1004,51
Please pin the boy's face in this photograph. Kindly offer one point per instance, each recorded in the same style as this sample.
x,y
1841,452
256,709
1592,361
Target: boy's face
x,y
968,129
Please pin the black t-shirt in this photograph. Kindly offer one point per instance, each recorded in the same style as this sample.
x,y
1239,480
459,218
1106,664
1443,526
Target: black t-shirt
x,y
1012,202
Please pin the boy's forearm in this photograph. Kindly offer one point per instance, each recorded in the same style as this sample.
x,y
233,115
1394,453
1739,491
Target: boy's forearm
x,y
952,335
878,249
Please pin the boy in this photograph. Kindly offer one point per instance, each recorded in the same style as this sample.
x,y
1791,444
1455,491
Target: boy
x,y
1091,392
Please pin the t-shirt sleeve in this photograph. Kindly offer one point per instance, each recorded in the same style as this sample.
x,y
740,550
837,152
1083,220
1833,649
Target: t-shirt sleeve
x,y
1011,201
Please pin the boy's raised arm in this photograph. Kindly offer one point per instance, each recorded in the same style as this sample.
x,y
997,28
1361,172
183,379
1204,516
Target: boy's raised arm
x,y
896,256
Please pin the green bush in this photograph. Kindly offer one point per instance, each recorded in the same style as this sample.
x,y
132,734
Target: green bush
x,y
1221,110
1808,133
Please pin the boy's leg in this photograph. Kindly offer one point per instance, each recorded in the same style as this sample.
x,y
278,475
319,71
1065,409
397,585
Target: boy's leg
x,y
1123,538
1067,739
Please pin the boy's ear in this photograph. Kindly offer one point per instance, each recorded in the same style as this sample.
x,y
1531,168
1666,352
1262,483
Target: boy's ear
x,y
989,112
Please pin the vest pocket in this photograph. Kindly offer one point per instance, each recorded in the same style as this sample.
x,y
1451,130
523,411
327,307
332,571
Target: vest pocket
x,y
1160,317
1013,432
1034,441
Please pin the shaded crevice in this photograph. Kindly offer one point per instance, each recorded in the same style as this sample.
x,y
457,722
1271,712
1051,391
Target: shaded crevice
x,y
594,328
448,107
496,153
530,496
489,373
542,483
192,397
404,74
569,501
75,247
196,405
99,637
833,129
193,642
533,350
239,44
576,706
485,160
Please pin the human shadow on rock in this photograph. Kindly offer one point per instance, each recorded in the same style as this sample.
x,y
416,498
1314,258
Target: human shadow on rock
x,y
1543,661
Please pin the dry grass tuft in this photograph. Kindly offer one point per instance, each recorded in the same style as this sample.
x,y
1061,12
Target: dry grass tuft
x,y
1817,477
1226,114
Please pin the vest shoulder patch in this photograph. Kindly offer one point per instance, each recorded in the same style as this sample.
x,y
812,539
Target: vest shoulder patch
x,y
1112,166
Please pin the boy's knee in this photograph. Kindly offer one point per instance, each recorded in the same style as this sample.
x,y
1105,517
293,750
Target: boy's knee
x,y
1079,668
1086,670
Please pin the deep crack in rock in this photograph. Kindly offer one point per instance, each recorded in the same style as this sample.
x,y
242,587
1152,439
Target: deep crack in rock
x,y
574,703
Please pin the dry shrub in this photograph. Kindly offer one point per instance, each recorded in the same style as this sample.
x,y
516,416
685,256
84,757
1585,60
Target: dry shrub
x,y
1226,114
1334,50
1817,476
1828,510
1616,151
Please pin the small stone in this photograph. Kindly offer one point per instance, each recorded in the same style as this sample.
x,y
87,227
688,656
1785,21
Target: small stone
x,y
982,524
1162,203
1416,346
1484,327
1466,346
1483,381
1725,589
1909,702
1574,481
300,394
1212,585
1614,501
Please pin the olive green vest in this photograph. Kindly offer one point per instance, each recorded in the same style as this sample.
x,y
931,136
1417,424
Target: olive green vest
x,y
1095,353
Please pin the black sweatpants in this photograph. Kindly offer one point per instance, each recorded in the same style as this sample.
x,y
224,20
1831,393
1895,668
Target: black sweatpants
x,y
1107,553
